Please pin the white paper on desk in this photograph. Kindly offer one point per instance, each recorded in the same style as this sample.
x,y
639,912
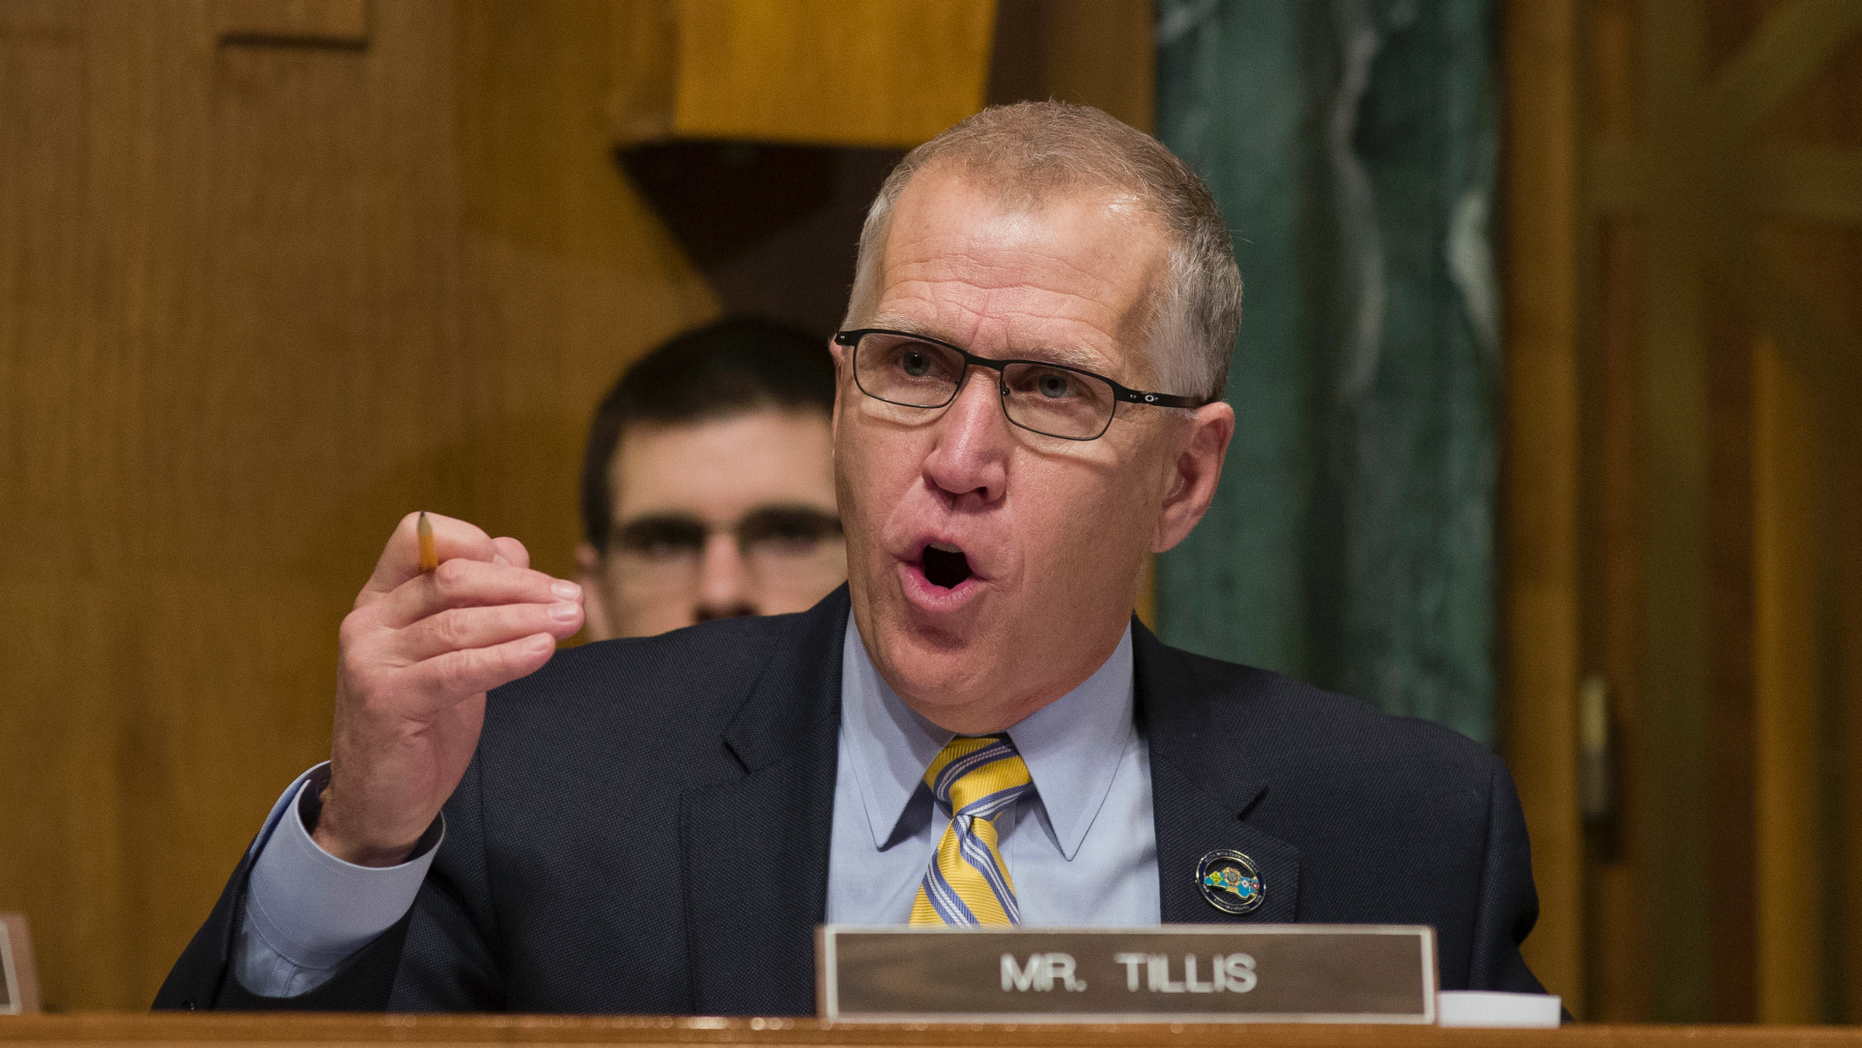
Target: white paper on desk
x,y
1493,1009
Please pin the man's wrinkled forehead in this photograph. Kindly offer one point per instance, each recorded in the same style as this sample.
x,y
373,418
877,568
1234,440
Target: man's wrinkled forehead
x,y
1033,198
968,258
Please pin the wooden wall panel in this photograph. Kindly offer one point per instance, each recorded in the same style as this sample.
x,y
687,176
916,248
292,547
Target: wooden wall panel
x,y
1540,519
1730,716
845,72
1617,934
1788,888
1848,672
1673,511
1807,374
256,301
1089,52
325,23
1617,940
1722,268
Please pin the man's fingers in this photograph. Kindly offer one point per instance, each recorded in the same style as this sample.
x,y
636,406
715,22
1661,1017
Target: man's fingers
x,y
457,675
512,551
459,628
400,558
461,583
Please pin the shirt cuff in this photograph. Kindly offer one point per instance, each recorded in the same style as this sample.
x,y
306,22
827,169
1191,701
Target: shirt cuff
x,y
312,908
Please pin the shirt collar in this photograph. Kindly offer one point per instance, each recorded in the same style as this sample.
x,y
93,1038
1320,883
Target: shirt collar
x,y
1072,745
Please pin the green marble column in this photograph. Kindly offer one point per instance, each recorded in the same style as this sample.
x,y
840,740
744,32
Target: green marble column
x,y
1351,144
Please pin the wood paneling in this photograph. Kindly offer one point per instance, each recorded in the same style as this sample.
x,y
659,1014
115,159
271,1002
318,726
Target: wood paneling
x,y
1806,374
1674,652
1732,930
1721,270
19,970
1540,471
1847,495
325,23
1090,52
256,301
841,72
1618,942
1788,887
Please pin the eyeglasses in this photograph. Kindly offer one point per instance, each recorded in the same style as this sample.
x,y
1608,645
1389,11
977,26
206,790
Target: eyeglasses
x,y
1054,400
664,547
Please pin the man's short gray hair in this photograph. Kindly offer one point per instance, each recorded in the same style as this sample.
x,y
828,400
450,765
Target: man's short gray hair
x,y
1032,151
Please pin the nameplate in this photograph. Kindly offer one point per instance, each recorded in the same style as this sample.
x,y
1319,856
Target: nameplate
x,y
18,988
9,977
1176,973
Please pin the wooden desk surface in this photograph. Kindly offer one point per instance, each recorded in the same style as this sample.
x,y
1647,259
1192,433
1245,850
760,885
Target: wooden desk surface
x,y
176,1030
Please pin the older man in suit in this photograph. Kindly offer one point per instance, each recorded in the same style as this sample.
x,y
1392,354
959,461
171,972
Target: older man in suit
x,y
975,730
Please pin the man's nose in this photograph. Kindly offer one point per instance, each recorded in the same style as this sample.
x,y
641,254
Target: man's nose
x,y
973,440
723,580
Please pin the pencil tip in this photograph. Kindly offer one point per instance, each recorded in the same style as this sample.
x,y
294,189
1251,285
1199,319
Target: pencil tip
x,y
429,555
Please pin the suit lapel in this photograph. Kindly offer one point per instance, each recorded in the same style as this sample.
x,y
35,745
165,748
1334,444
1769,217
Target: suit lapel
x,y
1204,780
755,848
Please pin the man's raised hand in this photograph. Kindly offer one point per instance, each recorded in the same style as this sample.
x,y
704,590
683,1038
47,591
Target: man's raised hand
x,y
418,654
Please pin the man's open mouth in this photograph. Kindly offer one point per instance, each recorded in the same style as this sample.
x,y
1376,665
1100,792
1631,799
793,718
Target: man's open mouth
x,y
945,566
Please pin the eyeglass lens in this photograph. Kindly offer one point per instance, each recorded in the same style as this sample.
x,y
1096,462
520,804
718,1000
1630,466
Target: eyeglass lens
x,y
1044,398
771,535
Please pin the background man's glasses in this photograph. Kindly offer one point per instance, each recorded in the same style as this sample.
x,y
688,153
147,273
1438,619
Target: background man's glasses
x,y
1055,400
666,546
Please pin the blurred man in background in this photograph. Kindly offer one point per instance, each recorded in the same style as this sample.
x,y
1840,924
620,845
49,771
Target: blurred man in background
x,y
708,483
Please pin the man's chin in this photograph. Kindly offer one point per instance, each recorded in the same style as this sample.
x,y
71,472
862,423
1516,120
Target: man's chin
x,y
947,689
938,662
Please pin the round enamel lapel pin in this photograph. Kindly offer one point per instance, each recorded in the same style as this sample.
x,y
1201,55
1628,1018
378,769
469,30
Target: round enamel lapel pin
x,y
1230,881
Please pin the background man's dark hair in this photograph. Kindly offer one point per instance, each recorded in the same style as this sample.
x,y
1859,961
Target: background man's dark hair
x,y
725,368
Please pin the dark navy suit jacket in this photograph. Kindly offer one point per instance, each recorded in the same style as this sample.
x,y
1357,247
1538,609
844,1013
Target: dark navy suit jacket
x,y
645,829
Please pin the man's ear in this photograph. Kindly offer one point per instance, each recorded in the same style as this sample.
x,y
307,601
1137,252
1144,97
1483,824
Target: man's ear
x,y
1194,472
595,621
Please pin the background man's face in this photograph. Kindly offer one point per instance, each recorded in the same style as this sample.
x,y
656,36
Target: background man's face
x,y
729,516
1053,531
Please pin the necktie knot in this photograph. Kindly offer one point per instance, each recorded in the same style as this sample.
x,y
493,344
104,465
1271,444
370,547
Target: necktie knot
x,y
978,776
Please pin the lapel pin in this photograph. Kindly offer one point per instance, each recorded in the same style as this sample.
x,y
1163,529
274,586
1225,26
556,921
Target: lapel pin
x,y
1229,881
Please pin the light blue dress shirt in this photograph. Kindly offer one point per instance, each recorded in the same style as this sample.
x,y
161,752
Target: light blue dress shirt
x,y
1081,846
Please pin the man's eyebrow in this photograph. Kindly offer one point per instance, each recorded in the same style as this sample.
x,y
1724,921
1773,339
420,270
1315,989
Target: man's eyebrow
x,y
660,517
789,507
904,326
657,529
777,518
1071,356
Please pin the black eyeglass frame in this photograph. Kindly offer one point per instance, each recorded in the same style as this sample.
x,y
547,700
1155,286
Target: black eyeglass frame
x,y
851,339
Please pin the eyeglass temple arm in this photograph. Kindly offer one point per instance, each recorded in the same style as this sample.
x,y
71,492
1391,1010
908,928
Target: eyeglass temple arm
x,y
1162,400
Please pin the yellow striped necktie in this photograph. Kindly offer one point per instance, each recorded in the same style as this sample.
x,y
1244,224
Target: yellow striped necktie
x,y
975,779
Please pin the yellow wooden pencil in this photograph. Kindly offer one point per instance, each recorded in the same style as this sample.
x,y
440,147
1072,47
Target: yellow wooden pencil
x,y
429,557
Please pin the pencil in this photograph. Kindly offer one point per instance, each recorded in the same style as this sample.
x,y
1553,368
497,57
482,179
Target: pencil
x,y
429,557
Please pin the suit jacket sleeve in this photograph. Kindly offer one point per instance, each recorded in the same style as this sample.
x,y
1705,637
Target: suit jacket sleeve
x,y
203,978
435,958
1508,905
